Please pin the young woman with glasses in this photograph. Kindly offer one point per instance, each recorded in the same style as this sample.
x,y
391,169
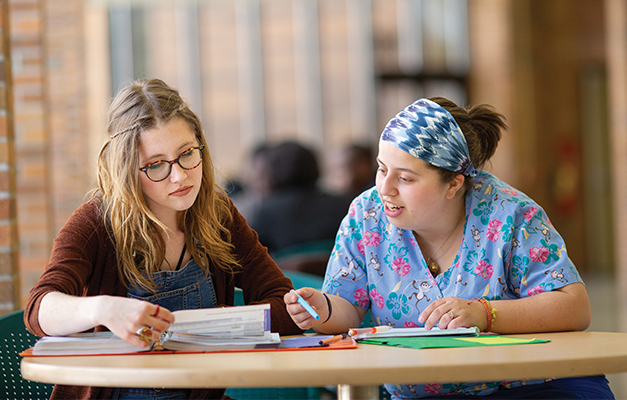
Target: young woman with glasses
x,y
158,235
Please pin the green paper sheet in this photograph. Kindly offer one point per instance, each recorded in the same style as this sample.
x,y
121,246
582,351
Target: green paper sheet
x,y
444,341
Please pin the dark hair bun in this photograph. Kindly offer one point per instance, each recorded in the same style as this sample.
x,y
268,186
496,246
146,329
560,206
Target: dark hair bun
x,y
482,126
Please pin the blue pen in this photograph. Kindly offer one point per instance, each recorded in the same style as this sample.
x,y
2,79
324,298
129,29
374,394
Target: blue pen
x,y
303,303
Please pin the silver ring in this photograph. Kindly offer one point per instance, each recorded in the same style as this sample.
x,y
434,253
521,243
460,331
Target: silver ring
x,y
451,315
145,334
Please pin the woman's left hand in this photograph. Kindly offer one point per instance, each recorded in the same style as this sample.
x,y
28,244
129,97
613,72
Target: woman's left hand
x,y
453,312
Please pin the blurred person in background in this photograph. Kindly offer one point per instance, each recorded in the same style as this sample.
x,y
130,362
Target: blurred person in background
x,y
296,210
253,185
351,170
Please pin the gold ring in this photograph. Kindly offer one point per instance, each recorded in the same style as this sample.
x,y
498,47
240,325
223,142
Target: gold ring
x,y
145,334
451,315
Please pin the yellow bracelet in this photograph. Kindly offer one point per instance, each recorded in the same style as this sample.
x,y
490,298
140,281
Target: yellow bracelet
x,y
490,312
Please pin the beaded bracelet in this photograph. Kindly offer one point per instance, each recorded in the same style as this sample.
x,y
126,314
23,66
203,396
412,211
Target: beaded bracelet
x,y
329,306
490,312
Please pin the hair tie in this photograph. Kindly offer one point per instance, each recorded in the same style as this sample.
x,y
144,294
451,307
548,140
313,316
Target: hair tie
x,y
328,306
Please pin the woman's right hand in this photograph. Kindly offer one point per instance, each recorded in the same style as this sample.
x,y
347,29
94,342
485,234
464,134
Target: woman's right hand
x,y
125,317
62,314
301,317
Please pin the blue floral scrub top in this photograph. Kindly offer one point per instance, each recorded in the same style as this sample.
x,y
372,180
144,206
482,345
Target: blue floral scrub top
x,y
509,250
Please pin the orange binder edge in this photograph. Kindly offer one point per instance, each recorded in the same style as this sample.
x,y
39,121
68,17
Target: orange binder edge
x,y
344,344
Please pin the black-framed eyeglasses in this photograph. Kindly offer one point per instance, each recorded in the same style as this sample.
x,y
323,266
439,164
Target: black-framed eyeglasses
x,y
159,170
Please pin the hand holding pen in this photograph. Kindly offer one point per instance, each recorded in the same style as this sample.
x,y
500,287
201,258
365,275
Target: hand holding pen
x,y
304,319
305,305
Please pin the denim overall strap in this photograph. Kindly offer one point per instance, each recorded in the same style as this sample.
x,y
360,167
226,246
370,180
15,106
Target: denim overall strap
x,y
185,289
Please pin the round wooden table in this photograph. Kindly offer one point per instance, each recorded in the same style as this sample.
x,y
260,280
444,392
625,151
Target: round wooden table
x,y
357,372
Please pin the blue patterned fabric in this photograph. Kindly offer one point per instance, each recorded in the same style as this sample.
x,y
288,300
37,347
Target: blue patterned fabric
x,y
581,387
509,250
427,131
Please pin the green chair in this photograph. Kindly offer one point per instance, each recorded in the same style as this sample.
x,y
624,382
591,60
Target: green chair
x,y
14,338
285,393
304,279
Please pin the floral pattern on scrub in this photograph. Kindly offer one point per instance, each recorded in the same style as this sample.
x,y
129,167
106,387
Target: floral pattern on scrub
x,y
510,250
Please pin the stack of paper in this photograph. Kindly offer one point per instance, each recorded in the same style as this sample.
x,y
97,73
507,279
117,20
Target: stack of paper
x,y
226,328
84,343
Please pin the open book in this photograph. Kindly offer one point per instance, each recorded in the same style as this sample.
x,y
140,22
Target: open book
x,y
389,332
232,328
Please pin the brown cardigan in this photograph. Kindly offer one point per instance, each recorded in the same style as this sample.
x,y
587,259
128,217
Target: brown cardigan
x,y
83,263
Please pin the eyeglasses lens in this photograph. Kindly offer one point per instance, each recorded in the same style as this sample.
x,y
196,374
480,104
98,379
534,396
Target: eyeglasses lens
x,y
187,160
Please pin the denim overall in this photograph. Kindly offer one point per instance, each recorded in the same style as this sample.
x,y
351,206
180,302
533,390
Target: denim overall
x,y
184,289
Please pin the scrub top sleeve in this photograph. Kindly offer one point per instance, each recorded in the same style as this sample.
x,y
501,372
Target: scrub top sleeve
x,y
539,261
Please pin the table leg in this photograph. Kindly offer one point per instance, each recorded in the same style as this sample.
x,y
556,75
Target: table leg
x,y
348,392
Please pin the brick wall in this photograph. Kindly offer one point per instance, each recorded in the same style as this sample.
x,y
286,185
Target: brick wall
x,y
52,141
9,265
31,139
70,163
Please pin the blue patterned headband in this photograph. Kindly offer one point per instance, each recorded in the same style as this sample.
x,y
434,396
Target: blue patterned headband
x,y
427,131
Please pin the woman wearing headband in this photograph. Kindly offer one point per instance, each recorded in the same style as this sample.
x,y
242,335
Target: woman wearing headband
x,y
158,235
441,242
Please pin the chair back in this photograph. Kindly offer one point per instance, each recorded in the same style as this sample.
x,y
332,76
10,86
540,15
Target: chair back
x,y
304,279
14,338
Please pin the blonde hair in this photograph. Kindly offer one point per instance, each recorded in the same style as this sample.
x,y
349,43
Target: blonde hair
x,y
137,233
